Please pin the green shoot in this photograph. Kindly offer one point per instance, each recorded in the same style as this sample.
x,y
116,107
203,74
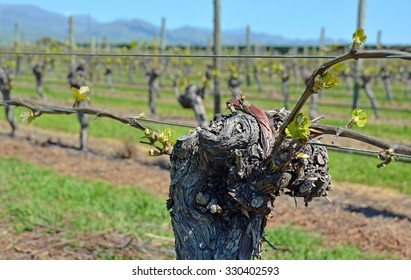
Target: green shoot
x,y
165,138
80,94
299,128
358,118
27,116
358,38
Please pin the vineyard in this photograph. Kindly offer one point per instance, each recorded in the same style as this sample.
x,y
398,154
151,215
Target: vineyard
x,y
78,181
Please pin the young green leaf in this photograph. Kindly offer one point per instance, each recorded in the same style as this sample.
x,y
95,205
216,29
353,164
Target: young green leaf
x,y
358,117
27,116
80,94
358,38
150,135
328,80
141,116
299,128
165,138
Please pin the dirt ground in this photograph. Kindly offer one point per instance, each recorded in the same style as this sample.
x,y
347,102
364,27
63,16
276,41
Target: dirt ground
x,y
375,219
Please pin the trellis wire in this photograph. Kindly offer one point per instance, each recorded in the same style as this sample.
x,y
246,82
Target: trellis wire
x,y
350,150
190,55
359,151
332,147
167,123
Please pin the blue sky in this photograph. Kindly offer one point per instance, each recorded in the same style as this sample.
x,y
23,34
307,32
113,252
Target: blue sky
x,y
297,19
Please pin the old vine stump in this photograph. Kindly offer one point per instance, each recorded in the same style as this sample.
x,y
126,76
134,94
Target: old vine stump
x,y
223,186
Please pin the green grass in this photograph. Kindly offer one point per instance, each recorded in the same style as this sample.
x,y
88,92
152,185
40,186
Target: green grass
x,y
362,169
32,196
303,245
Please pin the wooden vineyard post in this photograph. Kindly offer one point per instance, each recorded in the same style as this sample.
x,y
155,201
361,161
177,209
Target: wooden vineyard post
x,y
248,52
322,39
358,63
71,41
16,43
216,60
163,48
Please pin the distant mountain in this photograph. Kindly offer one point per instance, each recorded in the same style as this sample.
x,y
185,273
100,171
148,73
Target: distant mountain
x,y
35,23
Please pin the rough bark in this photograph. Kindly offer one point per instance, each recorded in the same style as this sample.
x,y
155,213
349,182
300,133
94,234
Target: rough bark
x,y
223,186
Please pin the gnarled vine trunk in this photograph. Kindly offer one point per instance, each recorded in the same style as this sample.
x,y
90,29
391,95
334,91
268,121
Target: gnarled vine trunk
x,y
77,78
370,94
5,87
223,186
385,76
153,88
192,98
38,71
234,83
